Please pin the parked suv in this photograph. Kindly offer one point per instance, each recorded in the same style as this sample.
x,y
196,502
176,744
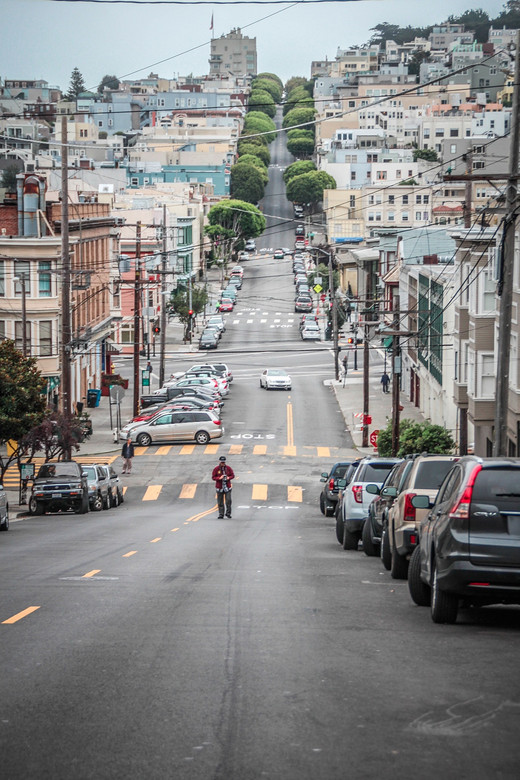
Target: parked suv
x,y
424,478
469,542
59,486
355,501
329,494
99,487
378,509
116,486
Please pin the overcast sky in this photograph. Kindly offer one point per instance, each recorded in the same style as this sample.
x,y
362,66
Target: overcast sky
x,y
47,39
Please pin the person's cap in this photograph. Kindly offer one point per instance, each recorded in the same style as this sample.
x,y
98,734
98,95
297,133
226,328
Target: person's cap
x,y
222,457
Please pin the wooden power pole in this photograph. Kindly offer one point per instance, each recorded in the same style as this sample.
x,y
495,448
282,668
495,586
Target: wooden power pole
x,y
137,316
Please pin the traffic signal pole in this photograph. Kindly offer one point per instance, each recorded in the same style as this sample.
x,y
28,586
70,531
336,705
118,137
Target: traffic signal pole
x,y
137,315
162,349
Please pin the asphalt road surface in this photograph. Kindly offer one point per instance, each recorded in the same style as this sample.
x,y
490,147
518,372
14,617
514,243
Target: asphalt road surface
x,y
155,641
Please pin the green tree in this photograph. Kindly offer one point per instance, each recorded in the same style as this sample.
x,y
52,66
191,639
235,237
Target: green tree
x,y
308,187
272,77
9,177
416,437
55,436
256,122
22,396
246,183
112,82
298,98
242,219
76,86
252,159
416,60
257,149
425,154
295,81
260,100
297,168
300,116
300,132
301,147
270,86
180,304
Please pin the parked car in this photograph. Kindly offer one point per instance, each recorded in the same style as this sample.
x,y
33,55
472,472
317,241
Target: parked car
x,y
384,497
99,487
226,305
303,303
59,486
230,293
299,243
275,379
279,254
170,392
311,331
4,510
219,368
208,339
115,484
469,542
200,381
329,493
343,484
400,529
198,426
312,317
356,500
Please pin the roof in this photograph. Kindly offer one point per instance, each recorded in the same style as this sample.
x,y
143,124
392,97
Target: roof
x,y
414,244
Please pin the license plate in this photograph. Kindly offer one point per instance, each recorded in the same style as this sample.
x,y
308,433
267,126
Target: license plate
x,y
56,495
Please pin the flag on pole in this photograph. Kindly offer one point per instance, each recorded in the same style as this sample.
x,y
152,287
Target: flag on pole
x,y
211,25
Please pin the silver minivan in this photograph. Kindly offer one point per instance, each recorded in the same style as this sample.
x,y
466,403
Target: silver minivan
x,y
198,426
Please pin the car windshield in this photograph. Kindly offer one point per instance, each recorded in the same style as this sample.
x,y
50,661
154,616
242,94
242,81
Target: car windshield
x,y
276,372
374,472
499,487
57,470
431,474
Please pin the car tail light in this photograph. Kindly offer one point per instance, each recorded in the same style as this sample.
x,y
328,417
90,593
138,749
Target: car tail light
x,y
413,539
461,508
331,484
216,422
409,509
358,493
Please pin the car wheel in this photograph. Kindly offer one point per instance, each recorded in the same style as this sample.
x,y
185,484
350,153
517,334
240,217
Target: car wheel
x,y
419,591
322,503
144,439
35,507
444,606
350,539
369,547
82,506
202,437
5,525
120,497
107,502
97,503
339,529
261,385
398,565
386,555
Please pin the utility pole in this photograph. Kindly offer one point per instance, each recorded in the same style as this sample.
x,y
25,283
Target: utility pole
x,y
366,359
66,331
396,382
468,189
505,285
334,311
162,348
137,315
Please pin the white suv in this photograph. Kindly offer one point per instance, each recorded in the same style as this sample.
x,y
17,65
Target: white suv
x,y
356,500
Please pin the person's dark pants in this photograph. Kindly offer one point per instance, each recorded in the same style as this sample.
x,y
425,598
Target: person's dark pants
x,y
224,498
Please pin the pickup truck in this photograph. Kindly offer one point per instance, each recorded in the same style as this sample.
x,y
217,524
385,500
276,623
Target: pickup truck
x,y
59,486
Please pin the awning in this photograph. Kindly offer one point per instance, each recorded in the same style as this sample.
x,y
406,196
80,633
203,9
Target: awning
x,y
112,347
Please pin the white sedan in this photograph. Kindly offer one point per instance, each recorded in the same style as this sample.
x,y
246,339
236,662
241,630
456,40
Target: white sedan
x,y
275,379
311,330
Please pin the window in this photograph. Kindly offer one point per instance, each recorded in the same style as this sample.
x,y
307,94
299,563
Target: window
x,y
2,279
426,199
45,338
417,198
405,200
18,340
486,375
381,175
44,279
454,133
391,199
391,216
453,148
352,201
418,216
405,216
2,330
22,269
488,289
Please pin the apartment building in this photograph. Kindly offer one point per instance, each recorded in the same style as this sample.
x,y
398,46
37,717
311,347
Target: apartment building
x,y
234,54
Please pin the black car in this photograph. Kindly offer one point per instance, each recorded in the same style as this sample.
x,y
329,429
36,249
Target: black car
x,y
59,486
209,339
329,494
377,511
469,542
174,392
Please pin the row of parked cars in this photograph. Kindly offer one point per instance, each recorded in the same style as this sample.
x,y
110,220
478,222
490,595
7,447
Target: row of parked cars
x,y
229,295
187,408
303,299
450,525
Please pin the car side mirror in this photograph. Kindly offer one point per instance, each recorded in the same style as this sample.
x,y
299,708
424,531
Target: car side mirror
x,y
324,476
372,489
389,492
422,502
341,483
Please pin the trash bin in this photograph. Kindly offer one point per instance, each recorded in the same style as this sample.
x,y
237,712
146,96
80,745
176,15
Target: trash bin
x,y
93,397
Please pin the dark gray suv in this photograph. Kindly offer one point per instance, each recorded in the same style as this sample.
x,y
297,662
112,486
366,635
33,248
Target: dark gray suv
x,y
469,542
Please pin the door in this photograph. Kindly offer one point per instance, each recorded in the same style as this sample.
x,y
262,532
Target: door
x,y
162,429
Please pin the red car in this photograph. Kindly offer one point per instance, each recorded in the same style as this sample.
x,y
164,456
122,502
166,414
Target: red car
x,y
225,306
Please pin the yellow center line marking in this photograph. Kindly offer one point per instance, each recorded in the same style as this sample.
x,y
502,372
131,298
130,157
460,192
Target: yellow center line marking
x,y
259,493
157,539
290,428
187,449
260,449
125,489
91,573
211,449
152,492
194,518
164,450
323,452
128,554
19,616
289,450
236,449
188,490
173,530
294,493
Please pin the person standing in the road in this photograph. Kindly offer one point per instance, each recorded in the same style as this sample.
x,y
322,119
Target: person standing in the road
x,y
222,475
127,453
385,381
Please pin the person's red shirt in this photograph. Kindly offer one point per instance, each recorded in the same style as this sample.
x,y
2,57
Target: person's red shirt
x,y
218,473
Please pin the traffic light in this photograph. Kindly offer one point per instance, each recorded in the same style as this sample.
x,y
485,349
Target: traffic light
x,y
190,313
350,340
156,329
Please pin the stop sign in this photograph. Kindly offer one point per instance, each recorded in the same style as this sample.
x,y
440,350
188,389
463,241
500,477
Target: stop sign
x,y
373,438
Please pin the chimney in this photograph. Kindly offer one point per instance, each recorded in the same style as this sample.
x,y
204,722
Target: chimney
x,y
430,260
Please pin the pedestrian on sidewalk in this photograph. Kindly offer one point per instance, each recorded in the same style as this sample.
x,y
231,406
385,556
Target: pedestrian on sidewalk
x,y
222,475
127,453
149,367
385,381
345,363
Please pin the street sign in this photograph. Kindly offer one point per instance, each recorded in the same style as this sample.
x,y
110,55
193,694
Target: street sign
x,y
373,438
117,393
318,279
26,471
317,288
